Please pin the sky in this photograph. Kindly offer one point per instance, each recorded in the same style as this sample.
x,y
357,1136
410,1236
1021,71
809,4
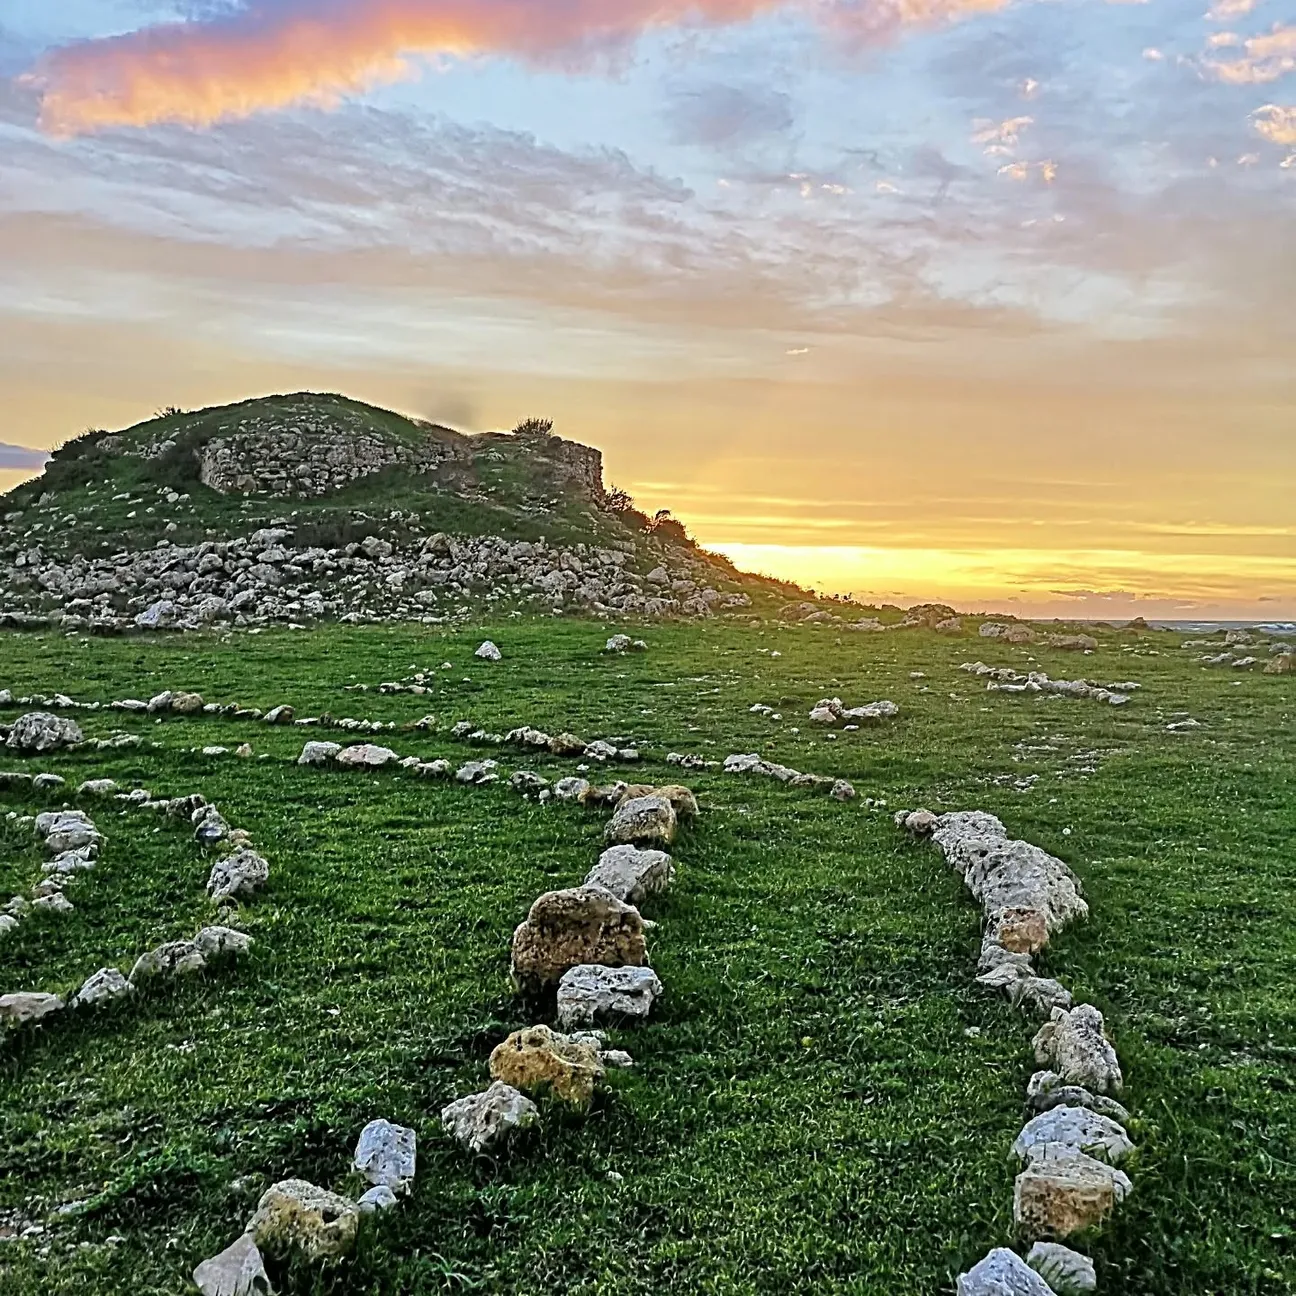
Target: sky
x,y
987,301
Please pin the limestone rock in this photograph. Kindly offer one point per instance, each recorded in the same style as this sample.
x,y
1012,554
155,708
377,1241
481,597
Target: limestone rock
x,y
174,958
318,753
1038,995
567,928
67,830
48,782
97,787
385,1154
538,1059
186,703
211,826
39,731
488,652
239,874
1047,1089
589,993
378,1198
642,821
572,789
365,756
295,1214
1001,1273
1076,1046
1067,1272
236,1271
1063,1191
483,1120
527,782
28,1006
1074,1127
279,715
632,874
102,987
567,744
842,790
477,772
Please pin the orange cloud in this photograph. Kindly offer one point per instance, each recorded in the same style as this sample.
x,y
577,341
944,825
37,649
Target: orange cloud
x,y
1265,58
275,53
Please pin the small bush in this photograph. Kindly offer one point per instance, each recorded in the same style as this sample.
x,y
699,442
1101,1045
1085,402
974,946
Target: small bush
x,y
534,427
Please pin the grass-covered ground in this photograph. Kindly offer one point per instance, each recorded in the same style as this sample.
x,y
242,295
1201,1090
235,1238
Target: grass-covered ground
x,y
823,1101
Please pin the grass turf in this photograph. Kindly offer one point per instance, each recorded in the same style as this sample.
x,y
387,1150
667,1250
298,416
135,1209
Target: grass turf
x,y
822,1102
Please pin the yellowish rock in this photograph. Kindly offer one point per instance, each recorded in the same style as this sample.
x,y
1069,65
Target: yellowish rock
x,y
539,1059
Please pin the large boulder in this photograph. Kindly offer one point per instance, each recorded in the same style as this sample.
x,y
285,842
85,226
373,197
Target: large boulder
x,y
1001,1273
1075,1045
567,928
296,1215
38,732
632,874
590,993
483,1120
1064,1191
642,821
538,1060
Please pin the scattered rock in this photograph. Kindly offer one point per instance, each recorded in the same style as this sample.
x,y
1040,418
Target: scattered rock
x,y
1001,1273
1067,1272
1047,1089
385,1154
1074,1127
365,756
48,782
102,987
483,1120
239,874
28,1006
567,744
236,1271
642,821
538,1059
476,772
589,993
279,715
295,1214
39,732
377,1198
1076,1046
1063,1191
318,753
174,958
631,874
572,789
565,929
488,652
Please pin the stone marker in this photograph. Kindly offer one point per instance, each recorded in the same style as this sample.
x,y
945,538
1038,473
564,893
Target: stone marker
x,y
1067,1272
385,1154
365,756
1064,1191
642,821
1076,1046
39,732
488,652
1073,1127
567,928
483,1120
239,874
589,993
631,874
318,753
1001,1273
236,1271
295,1214
538,1059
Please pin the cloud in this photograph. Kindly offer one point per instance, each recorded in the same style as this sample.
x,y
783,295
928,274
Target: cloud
x,y
720,116
15,456
269,54
1275,123
1264,58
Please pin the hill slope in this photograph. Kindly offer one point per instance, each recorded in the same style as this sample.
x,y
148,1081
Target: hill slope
x,y
310,506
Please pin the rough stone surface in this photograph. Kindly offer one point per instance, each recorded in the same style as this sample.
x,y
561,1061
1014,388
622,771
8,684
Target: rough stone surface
x,y
385,1154
318,753
239,874
632,874
538,1059
365,756
1001,1273
1067,1272
1074,1127
483,1120
39,732
642,821
296,1215
567,928
213,942
28,1006
1076,1046
174,958
1063,1191
487,651
102,987
236,1271
1047,1089
590,993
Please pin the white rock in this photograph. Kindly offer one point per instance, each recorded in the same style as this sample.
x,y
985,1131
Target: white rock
x,y
632,874
482,1120
28,1006
97,787
1001,1273
378,1198
479,771
236,1271
589,992
39,732
239,874
318,753
1074,1127
488,652
1076,1046
385,1154
102,987
1067,1272
365,756
174,958
212,942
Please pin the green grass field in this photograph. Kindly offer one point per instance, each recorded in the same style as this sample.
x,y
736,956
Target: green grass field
x,y
812,1109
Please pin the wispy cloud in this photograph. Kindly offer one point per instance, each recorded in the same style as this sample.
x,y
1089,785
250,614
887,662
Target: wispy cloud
x,y
269,54
1261,58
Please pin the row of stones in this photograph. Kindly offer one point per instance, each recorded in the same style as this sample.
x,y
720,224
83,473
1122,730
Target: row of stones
x,y
74,841
1071,1147
1003,679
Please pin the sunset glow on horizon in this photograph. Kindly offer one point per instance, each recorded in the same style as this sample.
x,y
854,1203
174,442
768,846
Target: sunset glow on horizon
x,y
979,301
